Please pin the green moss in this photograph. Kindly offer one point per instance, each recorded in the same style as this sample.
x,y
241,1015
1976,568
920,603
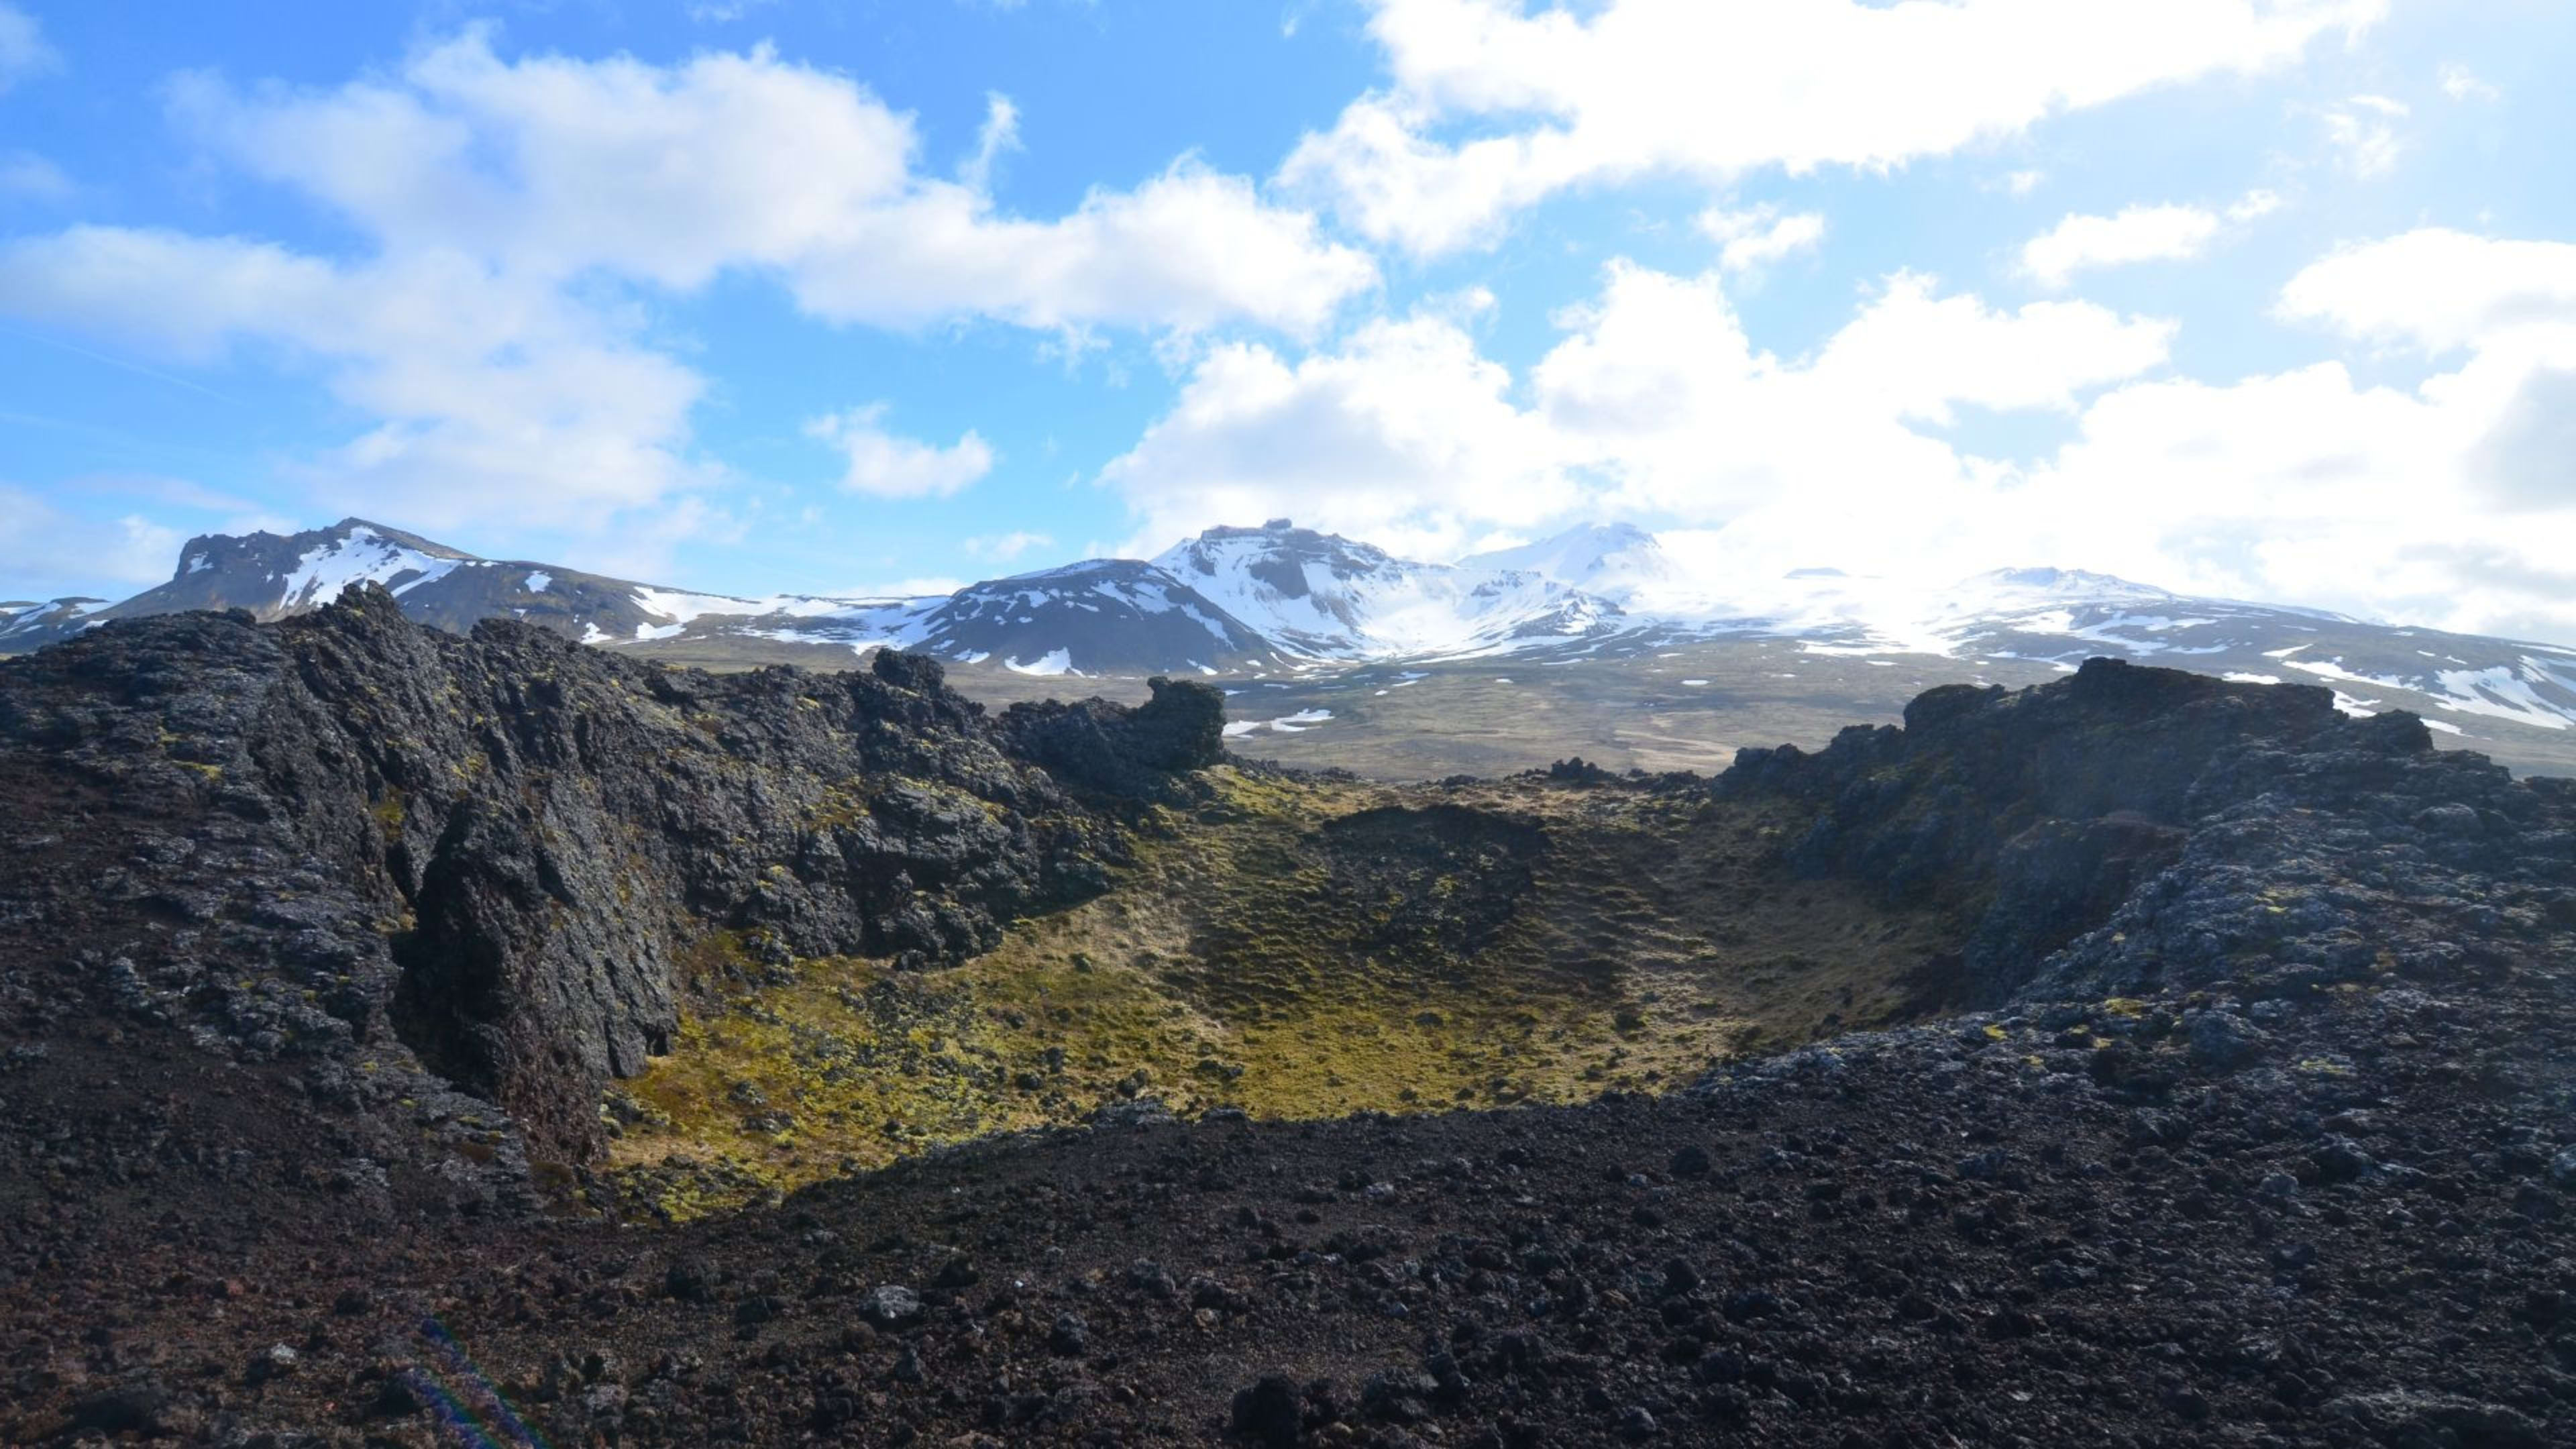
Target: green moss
x,y
1229,967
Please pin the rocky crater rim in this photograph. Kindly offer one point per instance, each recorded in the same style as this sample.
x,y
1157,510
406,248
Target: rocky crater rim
x,y
496,874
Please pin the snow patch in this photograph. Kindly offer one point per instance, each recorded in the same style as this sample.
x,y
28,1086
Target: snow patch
x,y
1286,724
360,556
1054,661
685,608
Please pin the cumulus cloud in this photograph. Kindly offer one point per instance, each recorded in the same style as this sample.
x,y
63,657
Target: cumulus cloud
x,y
1403,435
2137,234
2449,502
523,214
550,166
2528,459
2437,289
1760,235
1655,403
889,465
1492,108
1662,396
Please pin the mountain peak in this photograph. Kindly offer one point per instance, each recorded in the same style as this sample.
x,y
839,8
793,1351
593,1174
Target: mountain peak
x,y
1611,560
2066,581
352,526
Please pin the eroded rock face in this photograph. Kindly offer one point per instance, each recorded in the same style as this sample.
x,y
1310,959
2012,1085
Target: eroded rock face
x,y
506,852
2134,829
1103,747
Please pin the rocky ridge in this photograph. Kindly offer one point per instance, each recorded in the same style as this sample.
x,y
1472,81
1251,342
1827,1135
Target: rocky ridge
x,y
378,849
2136,829
2262,1135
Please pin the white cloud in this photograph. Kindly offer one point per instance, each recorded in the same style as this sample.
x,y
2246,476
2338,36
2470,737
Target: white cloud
x,y
2137,234
2363,130
24,173
549,166
1656,403
494,398
46,552
1004,547
2023,183
2450,502
2462,84
1659,393
888,465
23,51
525,215
2437,289
1187,249
1760,235
999,136
1493,108
2254,204
1403,435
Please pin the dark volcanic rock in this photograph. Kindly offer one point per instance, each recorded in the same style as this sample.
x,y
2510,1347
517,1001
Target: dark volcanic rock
x,y
2133,828
1109,747
506,852
2309,1178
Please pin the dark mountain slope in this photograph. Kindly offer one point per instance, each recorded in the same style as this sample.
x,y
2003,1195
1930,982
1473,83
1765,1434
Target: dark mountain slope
x,y
1101,616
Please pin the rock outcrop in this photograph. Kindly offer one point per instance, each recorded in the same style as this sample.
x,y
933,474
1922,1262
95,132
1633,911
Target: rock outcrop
x,y
347,835
2133,828
1111,749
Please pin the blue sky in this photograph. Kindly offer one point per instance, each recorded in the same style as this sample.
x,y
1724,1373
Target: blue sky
x,y
2273,298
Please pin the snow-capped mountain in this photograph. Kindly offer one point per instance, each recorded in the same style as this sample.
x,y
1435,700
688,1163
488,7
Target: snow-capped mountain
x,y
1323,597
27,623
1284,600
1100,616
274,575
1619,562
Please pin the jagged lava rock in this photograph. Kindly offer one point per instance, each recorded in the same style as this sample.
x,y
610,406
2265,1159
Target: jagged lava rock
x,y
496,857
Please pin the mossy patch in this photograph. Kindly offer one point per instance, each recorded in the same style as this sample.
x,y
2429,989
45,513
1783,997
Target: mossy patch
x,y
1294,948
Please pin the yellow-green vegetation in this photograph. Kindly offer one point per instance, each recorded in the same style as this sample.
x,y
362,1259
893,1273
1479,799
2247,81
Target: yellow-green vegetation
x,y
1296,949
